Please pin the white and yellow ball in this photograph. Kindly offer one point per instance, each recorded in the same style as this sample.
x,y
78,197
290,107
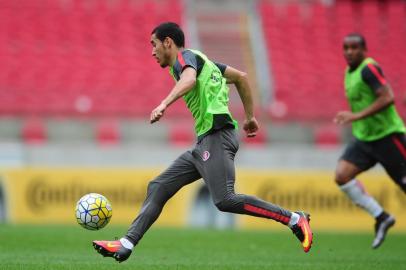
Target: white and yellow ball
x,y
93,211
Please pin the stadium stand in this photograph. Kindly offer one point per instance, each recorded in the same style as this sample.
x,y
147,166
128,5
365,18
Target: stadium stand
x,y
304,42
71,60
78,57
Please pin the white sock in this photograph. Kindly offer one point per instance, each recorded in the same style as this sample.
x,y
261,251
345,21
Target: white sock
x,y
294,219
356,192
126,243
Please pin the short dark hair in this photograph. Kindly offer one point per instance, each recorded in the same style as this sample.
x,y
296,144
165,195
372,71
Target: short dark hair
x,y
362,41
172,30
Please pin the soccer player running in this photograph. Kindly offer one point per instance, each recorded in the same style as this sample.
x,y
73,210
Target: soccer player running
x,y
202,84
378,131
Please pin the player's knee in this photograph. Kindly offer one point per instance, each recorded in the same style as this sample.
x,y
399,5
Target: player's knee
x,y
226,205
222,206
341,178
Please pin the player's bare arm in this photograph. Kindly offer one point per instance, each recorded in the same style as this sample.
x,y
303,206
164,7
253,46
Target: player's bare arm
x,y
240,80
186,82
384,99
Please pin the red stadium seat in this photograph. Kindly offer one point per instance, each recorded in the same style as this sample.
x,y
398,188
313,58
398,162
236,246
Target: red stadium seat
x,y
305,51
327,136
34,131
108,132
54,52
182,134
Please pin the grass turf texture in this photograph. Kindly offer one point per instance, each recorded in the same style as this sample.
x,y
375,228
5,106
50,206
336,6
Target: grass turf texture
x,y
67,247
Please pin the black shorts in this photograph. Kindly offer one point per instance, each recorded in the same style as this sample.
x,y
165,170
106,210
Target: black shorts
x,y
390,152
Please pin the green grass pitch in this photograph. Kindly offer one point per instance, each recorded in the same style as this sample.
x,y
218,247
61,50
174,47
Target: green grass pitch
x,y
69,247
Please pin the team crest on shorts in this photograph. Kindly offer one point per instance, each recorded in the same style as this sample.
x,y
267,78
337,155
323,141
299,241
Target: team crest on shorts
x,y
206,155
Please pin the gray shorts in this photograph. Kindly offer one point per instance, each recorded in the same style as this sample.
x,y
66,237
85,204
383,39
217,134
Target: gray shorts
x,y
211,159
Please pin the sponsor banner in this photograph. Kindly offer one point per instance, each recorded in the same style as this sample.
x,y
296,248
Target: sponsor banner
x,y
44,195
317,193
49,195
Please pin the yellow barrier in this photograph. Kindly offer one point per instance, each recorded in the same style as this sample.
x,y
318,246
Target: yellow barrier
x,y
50,195
44,195
317,193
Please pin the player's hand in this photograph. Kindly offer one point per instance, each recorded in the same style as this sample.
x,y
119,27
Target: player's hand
x,y
157,113
251,127
345,117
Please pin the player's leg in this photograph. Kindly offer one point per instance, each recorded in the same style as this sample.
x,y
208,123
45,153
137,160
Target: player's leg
x,y
357,158
216,165
354,189
160,190
391,153
182,172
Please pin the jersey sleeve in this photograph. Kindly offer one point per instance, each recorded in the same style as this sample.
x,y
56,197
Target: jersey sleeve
x,y
221,66
187,59
373,76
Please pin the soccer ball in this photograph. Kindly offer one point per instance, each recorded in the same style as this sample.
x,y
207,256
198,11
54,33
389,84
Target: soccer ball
x,y
93,211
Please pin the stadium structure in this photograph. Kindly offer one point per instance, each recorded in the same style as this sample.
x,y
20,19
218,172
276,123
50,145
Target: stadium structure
x,y
77,85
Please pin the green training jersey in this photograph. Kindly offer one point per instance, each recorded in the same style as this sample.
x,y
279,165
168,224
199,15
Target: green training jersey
x,y
208,100
360,86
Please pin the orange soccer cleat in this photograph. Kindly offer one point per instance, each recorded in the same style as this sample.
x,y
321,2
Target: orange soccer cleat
x,y
303,231
112,249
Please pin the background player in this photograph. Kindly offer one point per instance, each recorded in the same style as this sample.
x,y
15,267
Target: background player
x,y
202,84
378,131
